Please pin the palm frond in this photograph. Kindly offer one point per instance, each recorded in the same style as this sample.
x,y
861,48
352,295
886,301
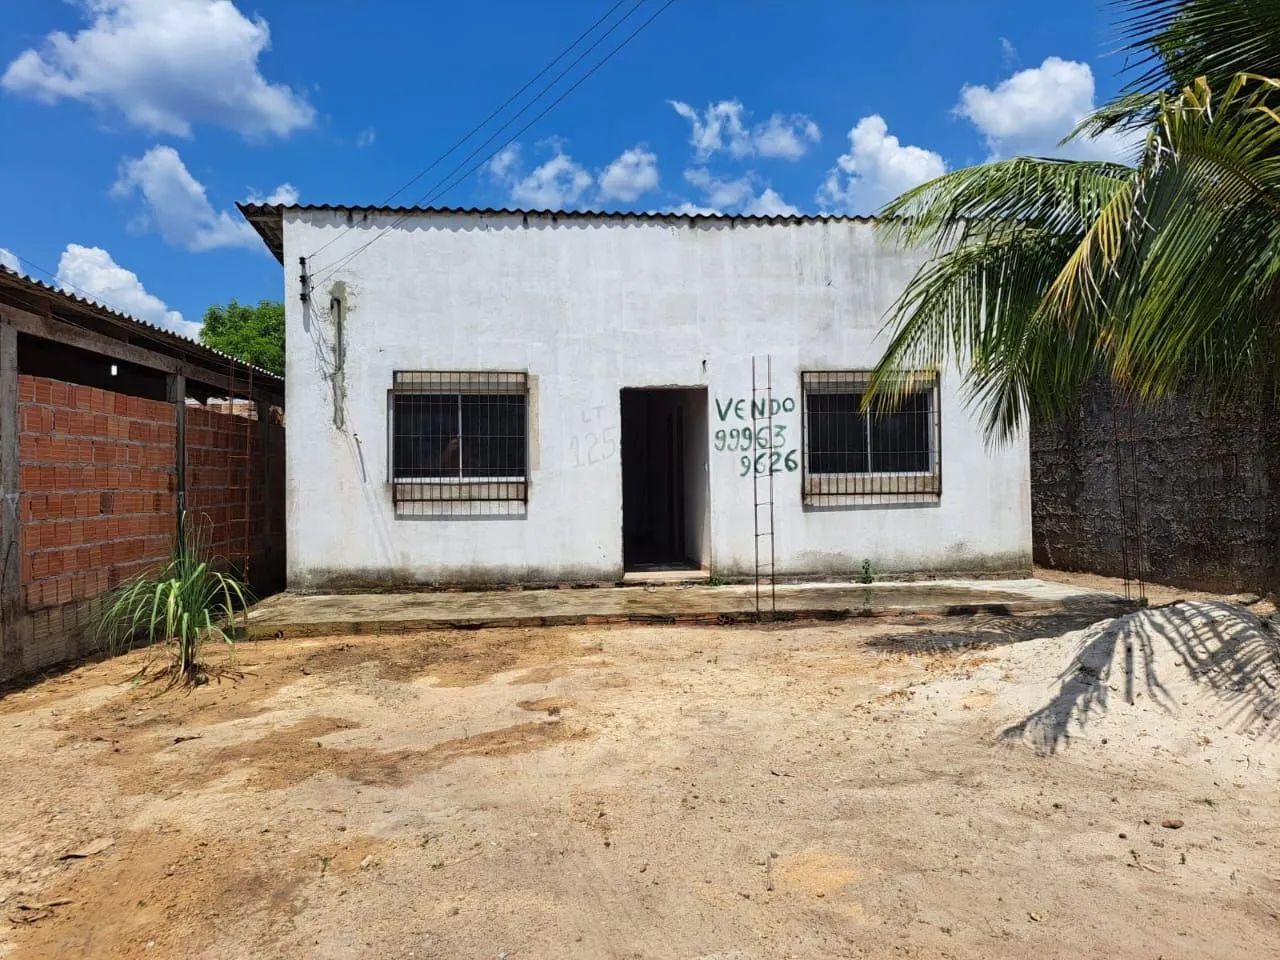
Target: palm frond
x,y
1057,195
1008,292
1165,277
1135,110
1201,280
1174,41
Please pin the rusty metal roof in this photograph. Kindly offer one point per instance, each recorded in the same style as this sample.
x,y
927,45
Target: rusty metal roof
x,y
268,218
13,280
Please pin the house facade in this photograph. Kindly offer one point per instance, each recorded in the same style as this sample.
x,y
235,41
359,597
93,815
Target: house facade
x,y
481,396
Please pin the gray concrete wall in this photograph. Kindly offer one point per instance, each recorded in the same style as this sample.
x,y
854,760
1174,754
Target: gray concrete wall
x,y
1206,485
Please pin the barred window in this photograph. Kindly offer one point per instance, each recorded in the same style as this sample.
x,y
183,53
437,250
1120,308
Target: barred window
x,y
891,453
458,441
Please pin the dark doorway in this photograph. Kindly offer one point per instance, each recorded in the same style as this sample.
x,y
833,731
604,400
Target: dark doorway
x,y
664,479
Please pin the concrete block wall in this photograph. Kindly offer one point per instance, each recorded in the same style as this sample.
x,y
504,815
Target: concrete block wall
x,y
1206,490
97,505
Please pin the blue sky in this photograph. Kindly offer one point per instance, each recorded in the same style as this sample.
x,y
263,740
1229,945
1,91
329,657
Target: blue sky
x,y
135,125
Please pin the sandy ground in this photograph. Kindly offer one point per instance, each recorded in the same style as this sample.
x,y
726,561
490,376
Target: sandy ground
x,y
930,788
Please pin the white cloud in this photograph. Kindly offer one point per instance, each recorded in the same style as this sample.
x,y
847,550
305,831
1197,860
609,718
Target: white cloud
x,y
719,128
366,137
876,169
1008,52
286,194
175,204
90,272
786,137
769,204
1028,113
164,65
505,163
692,209
633,173
721,193
560,182
10,260
735,195
563,183
555,185
724,126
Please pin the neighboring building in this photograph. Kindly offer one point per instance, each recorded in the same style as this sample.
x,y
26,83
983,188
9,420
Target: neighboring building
x,y
504,396
104,437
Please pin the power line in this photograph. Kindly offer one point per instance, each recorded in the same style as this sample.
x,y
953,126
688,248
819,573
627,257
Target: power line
x,y
432,197
512,119
506,103
93,298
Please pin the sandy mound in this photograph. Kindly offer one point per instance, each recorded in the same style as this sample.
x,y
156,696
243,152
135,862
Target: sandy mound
x,y
1177,678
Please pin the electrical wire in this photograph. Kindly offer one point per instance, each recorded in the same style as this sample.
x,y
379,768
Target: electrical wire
x,y
420,174
93,298
318,276
516,116
485,122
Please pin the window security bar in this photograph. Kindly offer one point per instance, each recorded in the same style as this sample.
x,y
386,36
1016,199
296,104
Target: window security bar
x,y
458,442
891,453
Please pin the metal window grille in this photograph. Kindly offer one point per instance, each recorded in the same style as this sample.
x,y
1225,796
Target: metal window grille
x,y
458,443
889,454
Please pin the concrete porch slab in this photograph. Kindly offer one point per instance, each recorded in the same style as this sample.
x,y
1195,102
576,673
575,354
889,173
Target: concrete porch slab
x,y
310,615
655,578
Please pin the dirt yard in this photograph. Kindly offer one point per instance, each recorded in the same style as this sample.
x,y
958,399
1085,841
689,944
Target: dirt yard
x,y
931,788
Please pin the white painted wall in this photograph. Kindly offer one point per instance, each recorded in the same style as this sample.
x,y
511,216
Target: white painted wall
x,y
587,307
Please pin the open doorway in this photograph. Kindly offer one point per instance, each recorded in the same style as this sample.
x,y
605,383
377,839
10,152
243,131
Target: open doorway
x,y
664,479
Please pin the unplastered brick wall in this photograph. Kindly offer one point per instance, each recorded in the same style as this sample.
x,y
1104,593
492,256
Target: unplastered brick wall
x,y
227,483
269,574
97,505
1205,492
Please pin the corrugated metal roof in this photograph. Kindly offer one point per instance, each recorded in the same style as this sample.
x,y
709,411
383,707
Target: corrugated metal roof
x,y
187,344
267,218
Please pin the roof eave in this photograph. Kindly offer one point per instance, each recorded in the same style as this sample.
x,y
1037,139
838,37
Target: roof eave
x,y
268,220
29,286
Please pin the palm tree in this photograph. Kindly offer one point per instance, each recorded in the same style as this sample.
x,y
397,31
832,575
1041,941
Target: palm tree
x,y
1162,274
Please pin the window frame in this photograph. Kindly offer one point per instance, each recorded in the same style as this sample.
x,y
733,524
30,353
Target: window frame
x,y
427,495
849,488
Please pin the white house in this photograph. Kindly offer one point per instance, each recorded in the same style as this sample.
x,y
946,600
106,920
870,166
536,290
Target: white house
x,y
504,396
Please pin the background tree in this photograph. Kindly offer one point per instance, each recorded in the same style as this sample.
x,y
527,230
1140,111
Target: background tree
x,y
254,334
1162,275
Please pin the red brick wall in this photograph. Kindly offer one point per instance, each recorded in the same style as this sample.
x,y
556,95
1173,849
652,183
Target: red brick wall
x,y
97,506
272,578
218,475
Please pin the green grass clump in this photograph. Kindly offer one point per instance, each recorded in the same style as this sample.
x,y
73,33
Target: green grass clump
x,y
177,608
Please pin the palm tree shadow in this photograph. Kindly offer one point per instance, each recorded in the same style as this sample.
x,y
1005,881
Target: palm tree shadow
x,y
1227,651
